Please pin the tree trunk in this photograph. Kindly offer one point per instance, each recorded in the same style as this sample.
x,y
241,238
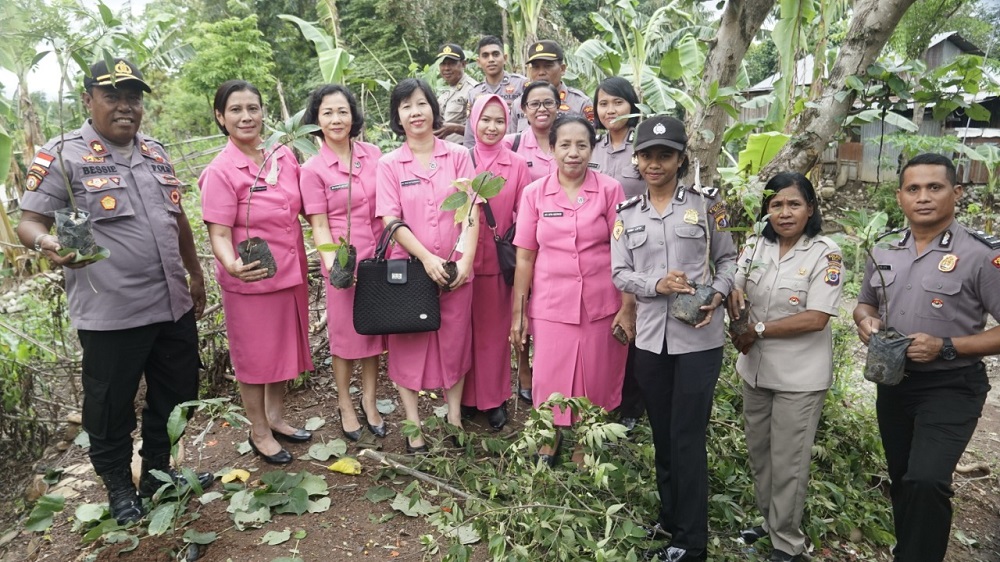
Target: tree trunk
x,y
870,28
29,119
740,22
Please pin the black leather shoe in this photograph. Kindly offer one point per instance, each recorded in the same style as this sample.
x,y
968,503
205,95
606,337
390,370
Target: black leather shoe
x,y
753,534
497,417
149,484
524,393
629,422
782,556
300,436
550,458
411,450
655,531
468,412
351,435
281,457
123,500
378,430
675,554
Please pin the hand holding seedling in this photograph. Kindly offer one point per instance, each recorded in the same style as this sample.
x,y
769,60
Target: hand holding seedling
x,y
737,304
924,348
867,327
248,273
710,308
674,282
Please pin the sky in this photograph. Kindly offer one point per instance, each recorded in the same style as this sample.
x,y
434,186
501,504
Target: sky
x,y
40,80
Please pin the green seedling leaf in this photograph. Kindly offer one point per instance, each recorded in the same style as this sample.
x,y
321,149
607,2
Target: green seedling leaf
x,y
162,518
275,538
418,508
194,537
299,534
385,406
454,201
323,451
314,423
98,255
492,187
342,256
377,494
327,247
41,515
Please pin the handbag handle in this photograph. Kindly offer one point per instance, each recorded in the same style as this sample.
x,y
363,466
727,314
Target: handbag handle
x,y
386,237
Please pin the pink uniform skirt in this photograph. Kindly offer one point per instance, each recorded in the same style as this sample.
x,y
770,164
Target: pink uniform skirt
x,y
430,360
268,334
344,341
488,384
577,360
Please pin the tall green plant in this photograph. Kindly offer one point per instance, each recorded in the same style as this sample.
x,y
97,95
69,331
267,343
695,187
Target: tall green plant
x,y
334,61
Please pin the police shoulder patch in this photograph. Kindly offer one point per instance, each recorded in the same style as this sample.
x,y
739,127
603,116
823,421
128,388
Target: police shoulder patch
x,y
630,202
990,240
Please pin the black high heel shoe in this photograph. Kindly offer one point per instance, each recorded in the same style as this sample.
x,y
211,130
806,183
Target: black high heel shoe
x,y
281,457
524,393
550,459
352,435
300,436
379,430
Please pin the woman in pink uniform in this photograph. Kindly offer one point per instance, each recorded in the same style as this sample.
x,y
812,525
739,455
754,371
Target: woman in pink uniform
x,y
540,103
487,386
344,169
411,183
563,241
266,318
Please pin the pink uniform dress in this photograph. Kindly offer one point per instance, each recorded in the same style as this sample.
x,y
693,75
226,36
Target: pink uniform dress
x,y
324,186
408,190
488,384
573,300
540,163
267,321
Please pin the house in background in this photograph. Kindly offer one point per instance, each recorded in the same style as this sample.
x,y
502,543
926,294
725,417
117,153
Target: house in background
x,y
856,157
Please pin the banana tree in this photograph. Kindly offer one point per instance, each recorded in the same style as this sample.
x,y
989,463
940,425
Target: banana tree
x,y
334,61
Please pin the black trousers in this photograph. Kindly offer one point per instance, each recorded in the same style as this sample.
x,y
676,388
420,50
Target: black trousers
x,y
113,363
926,422
678,391
632,405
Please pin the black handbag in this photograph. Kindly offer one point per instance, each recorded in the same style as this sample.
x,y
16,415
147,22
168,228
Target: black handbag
x,y
506,252
394,296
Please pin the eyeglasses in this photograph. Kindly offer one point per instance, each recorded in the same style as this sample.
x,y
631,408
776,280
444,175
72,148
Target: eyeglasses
x,y
534,105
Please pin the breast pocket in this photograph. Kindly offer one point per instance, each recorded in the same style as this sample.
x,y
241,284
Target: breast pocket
x,y
791,294
635,239
170,188
690,243
941,298
107,199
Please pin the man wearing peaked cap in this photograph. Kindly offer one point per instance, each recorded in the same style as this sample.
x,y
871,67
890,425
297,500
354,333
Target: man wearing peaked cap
x,y
454,99
547,62
135,310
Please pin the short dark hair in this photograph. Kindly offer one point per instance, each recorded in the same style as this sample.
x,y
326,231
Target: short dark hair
x,y
567,119
401,93
931,159
537,84
780,181
620,88
489,40
226,89
311,116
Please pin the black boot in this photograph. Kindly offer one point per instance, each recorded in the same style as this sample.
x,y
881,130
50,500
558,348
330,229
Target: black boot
x,y
149,484
122,497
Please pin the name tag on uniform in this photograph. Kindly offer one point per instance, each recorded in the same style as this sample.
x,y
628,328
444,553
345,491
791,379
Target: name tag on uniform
x,y
640,228
552,214
593,165
259,188
91,170
885,266
531,164
405,183
338,186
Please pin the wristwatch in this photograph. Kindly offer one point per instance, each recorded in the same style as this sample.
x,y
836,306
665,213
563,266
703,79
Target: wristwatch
x,y
759,328
948,351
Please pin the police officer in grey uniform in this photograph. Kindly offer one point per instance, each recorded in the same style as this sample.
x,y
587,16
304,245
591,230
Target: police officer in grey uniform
x,y
940,281
454,99
615,97
546,61
658,245
496,80
134,311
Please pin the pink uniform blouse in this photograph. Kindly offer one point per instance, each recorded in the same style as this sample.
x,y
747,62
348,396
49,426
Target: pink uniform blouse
x,y
540,163
414,193
514,169
324,191
274,213
573,241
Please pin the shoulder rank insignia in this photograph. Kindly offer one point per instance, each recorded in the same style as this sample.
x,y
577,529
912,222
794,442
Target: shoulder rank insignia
x,y
631,136
91,159
989,239
96,183
630,202
144,149
97,147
